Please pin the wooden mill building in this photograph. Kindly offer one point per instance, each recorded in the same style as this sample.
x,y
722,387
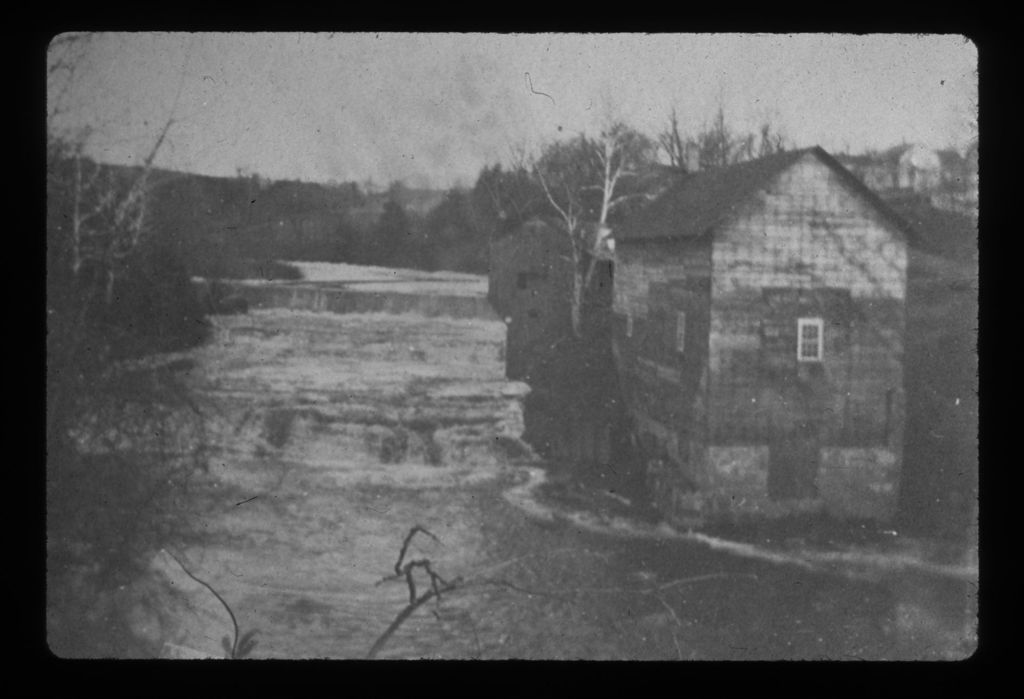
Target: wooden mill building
x,y
759,315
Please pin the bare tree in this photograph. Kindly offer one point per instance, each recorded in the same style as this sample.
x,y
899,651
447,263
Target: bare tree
x,y
585,181
622,153
676,148
562,173
95,220
718,144
107,213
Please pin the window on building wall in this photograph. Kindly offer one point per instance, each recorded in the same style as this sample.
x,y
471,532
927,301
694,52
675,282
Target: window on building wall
x,y
810,343
680,332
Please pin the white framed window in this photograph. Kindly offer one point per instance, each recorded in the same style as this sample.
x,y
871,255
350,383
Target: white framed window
x,y
810,339
680,331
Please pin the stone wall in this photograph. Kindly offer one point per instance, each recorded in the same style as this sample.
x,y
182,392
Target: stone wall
x,y
850,483
859,483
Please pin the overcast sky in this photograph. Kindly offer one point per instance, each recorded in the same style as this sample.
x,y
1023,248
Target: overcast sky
x,y
434,108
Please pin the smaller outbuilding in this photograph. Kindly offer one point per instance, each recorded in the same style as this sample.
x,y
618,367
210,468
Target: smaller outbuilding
x,y
530,287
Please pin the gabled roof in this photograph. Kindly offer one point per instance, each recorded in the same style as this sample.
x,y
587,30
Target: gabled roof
x,y
706,199
861,161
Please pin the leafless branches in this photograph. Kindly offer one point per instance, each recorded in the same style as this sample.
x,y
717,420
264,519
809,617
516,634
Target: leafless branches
x,y
96,219
584,181
717,144
672,142
621,152
438,587
107,209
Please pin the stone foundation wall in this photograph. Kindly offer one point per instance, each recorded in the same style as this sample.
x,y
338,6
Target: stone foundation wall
x,y
738,474
859,482
851,483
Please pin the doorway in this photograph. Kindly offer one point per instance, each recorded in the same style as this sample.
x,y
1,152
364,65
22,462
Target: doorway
x,y
794,461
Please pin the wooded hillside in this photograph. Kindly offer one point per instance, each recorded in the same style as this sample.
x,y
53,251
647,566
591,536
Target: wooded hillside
x,y
220,226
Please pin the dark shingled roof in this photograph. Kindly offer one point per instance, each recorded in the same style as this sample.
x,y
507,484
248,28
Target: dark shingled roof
x,y
704,200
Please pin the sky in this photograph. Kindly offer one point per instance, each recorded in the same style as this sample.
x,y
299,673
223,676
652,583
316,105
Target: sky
x,y
432,109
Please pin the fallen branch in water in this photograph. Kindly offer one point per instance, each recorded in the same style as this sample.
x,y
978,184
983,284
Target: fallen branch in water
x,y
415,604
438,587
405,545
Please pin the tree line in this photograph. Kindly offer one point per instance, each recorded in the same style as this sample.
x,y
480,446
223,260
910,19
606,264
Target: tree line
x,y
213,223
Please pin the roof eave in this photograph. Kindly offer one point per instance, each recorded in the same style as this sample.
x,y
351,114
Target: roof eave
x,y
895,220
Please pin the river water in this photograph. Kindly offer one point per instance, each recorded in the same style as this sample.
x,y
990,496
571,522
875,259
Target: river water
x,y
335,435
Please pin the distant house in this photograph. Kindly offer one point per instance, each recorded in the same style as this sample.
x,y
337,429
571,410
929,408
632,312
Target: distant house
x,y
919,169
945,178
759,332
879,170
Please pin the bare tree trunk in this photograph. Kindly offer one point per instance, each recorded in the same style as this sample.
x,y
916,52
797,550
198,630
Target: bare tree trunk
x,y
577,301
672,142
